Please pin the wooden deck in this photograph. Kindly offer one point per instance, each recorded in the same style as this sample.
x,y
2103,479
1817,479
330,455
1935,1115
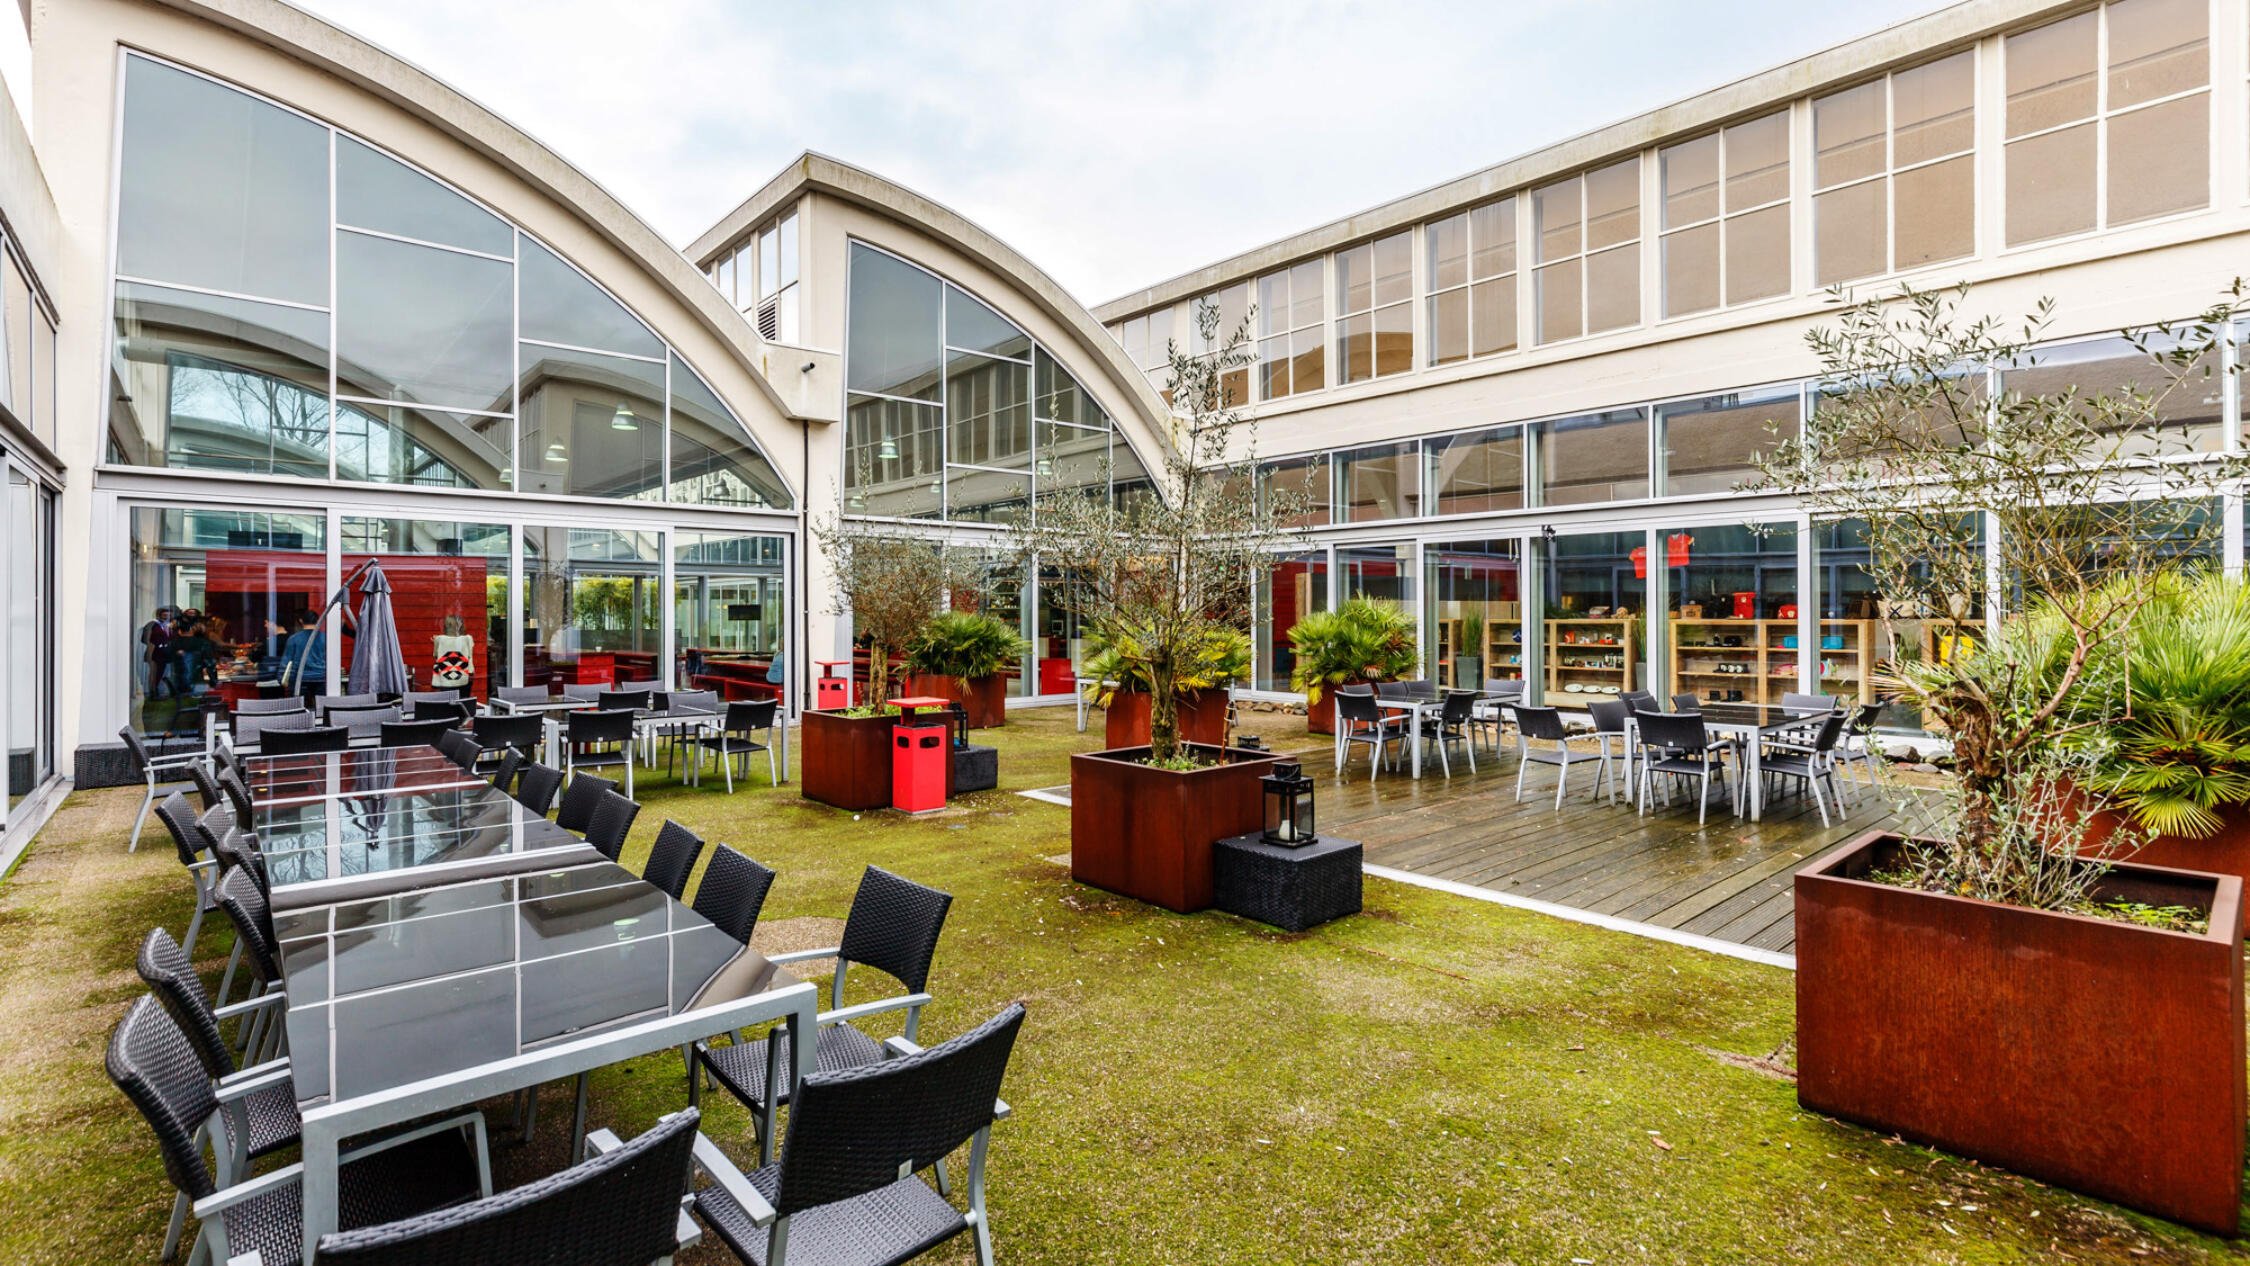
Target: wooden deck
x,y
1728,879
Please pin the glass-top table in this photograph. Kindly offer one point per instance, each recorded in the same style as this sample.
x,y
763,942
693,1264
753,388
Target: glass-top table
x,y
353,832
364,772
417,1003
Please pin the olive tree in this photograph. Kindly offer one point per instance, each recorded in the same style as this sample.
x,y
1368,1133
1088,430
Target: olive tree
x,y
890,585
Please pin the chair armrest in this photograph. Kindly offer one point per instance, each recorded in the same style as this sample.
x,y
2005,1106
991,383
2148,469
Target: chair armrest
x,y
727,1177
799,956
601,1143
245,1082
247,1005
860,1011
248,1189
251,1258
208,863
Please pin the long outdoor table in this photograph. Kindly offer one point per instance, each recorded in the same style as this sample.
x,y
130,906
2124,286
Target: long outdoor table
x,y
645,721
343,825
423,1002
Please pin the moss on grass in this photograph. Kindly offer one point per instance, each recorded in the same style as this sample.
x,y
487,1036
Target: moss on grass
x,y
1438,1080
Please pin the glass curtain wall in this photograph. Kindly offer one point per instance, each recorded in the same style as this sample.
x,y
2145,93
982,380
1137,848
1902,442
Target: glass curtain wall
x,y
1474,611
1710,445
1735,635
1596,625
449,593
593,610
27,568
1849,607
291,301
730,613
215,593
997,590
1288,591
1057,643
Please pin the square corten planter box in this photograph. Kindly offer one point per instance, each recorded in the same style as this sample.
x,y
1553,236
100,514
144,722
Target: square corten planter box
x,y
1202,718
847,760
2086,1052
1147,833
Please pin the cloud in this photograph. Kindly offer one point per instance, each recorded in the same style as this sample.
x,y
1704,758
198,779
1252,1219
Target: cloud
x,y
1113,144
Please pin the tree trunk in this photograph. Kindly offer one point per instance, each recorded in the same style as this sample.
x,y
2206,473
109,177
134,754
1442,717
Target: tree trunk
x,y
878,677
1163,714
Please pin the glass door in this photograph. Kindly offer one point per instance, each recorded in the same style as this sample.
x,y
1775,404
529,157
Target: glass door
x,y
593,605
1595,619
729,614
1474,612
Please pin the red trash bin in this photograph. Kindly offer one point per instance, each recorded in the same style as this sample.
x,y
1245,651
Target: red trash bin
x,y
920,760
832,693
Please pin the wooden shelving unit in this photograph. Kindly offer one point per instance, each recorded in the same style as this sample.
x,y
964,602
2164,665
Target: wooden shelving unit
x,y
1589,653
1761,663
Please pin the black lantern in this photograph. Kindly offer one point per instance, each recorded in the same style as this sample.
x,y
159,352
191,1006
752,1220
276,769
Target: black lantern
x,y
1289,807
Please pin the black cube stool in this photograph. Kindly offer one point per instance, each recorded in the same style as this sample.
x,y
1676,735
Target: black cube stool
x,y
1290,888
975,768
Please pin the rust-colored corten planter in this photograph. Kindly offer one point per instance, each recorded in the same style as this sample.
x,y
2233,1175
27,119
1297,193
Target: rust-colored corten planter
x,y
1320,717
2091,1053
1203,718
2224,852
1147,833
847,761
985,699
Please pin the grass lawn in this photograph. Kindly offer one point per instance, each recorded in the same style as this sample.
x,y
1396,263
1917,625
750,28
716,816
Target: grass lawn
x,y
1438,1080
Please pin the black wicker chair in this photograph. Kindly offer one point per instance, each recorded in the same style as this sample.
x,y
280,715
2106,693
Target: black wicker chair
x,y
154,1063
672,859
523,694
1545,725
244,901
536,788
577,810
455,711
521,732
164,967
893,927
237,792
460,748
504,773
620,1207
298,742
732,893
179,820
1450,725
847,1190
613,821
363,722
325,702
257,711
252,728
206,780
1677,745
1358,720
734,744
599,740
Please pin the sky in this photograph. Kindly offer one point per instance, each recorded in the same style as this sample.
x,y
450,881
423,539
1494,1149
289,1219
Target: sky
x,y
1114,144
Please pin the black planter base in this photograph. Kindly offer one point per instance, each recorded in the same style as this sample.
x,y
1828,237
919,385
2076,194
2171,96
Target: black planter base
x,y
975,769
1290,888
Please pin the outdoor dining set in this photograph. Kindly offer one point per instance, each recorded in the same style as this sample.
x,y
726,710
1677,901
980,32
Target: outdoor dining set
x,y
1632,742
415,942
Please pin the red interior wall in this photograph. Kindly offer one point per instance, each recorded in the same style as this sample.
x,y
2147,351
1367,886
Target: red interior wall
x,y
425,588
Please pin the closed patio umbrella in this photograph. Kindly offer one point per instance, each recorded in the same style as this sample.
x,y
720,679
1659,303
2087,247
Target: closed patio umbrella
x,y
378,665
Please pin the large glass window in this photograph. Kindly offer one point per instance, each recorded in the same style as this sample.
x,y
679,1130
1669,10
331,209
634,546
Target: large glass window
x,y
1726,216
27,565
219,190
215,594
1476,472
592,424
1586,239
1595,616
233,267
1291,341
729,613
1594,457
953,412
1893,175
1288,591
592,610
2190,407
1867,631
1711,444
1473,282
2109,118
1383,481
1148,344
1384,572
1734,634
449,594
1475,612
769,284
1374,308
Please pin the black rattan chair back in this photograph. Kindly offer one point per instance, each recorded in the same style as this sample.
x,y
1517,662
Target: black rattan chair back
x,y
238,794
1862,722
415,733
1609,715
624,700
1640,701
504,774
618,1208
325,702
1831,729
245,904
745,716
609,725
1458,707
206,785
585,692
155,1064
459,747
1809,703
250,728
519,732
179,819
578,801
855,1131
893,926
252,714
321,738
1680,732
536,788
1356,707
732,893
522,694
453,710
1393,690
613,821
1544,724
672,859
172,979
1686,702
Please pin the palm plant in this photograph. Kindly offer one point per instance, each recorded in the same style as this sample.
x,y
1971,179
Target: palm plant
x,y
2178,752
1217,659
965,645
1365,640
